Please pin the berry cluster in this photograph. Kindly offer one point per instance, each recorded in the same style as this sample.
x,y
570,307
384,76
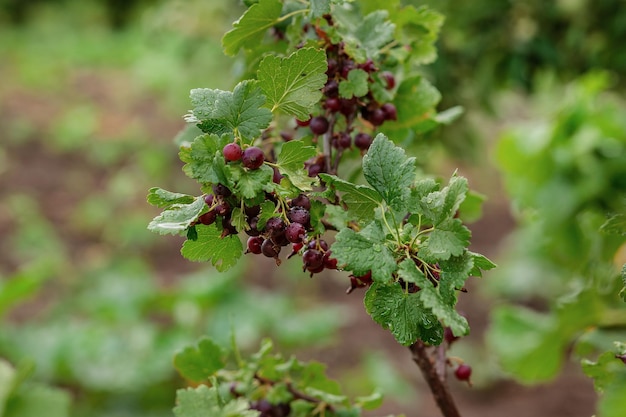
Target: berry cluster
x,y
344,120
291,227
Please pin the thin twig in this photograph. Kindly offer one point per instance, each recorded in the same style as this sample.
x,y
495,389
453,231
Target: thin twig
x,y
440,390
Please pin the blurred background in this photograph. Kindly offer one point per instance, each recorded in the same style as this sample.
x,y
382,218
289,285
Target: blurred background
x,y
93,306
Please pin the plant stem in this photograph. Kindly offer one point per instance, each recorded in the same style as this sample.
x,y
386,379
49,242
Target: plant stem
x,y
440,390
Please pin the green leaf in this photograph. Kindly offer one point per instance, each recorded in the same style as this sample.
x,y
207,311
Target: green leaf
x,y
250,182
291,163
604,371
443,205
449,238
356,85
366,38
238,219
387,168
527,343
433,300
204,160
162,198
370,402
414,100
481,263
399,312
293,84
267,211
240,112
360,255
360,199
615,225
319,8
197,364
419,28
210,246
249,29
34,400
177,218
206,402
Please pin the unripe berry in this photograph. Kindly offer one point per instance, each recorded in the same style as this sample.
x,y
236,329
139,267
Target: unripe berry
x,y
232,152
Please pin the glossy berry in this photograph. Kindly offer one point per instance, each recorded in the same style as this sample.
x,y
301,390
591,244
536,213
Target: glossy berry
x,y
362,141
315,169
299,215
329,263
270,249
254,244
253,230
348,106
252,157
301,201
295,232
232,152
319,125
390,80
312,259
275,226
252,211
318,244
208,199
463,372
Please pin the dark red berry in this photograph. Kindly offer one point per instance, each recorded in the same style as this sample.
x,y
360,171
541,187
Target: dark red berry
x,y
252,211
254,244
286,136
275,226
348,106
449,336
208,199
301,201
232,152
315,270
348,65
390,111
277,176
344,141
376,117
329,263
208,217
270,249
390,80
463,372
295,232
365,279
253,157
220,189
312,259
315,169
319,125
295,249
253,230
333,104
299,215
362,141
332,67
318,244
368,66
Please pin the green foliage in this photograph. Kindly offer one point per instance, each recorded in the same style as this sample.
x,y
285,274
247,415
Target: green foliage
x,y
209,245
578,155
22,398
292,84
265,380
